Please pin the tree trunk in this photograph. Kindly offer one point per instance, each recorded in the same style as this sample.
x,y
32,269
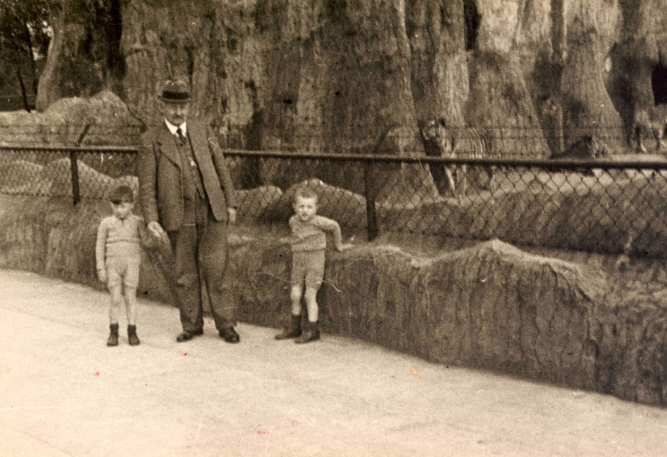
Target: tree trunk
x,y
33,67
26,105
48,89
587,107
500,107
439,71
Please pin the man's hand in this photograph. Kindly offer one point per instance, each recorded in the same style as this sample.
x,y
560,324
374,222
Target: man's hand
x,y
231,213
102,275
156,229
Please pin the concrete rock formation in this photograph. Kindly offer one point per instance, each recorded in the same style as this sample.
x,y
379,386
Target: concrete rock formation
x,y
102,119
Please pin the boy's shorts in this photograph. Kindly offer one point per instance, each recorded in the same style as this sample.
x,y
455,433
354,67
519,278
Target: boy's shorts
x,y
308,266
121,270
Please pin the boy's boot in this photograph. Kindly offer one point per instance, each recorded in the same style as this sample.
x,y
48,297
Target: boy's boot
x,y
113,335
312,333
132,335
293,330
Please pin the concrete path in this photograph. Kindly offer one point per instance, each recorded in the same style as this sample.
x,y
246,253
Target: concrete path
x,y
64,393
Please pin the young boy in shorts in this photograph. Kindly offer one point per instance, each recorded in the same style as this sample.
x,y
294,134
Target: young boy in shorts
x,y
118,255
308,246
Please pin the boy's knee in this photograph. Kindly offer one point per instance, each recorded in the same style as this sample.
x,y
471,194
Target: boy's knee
x,y
116,297
295,293
311,293
130,291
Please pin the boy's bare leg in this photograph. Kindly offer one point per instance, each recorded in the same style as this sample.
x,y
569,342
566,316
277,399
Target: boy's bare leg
x,y
295,296
131,308
293,328
131,304
311,303
116,293
311,333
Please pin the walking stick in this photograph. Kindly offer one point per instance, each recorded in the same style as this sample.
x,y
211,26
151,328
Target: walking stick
x,y
166,265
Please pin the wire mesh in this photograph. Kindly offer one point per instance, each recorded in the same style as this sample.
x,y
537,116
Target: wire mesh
x,y
597,206
48,171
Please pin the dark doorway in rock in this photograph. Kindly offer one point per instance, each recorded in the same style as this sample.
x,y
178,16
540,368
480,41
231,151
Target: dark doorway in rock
x,y
659,84
472,20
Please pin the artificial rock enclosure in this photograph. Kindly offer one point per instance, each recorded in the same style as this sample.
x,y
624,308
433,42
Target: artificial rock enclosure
x,y
330,76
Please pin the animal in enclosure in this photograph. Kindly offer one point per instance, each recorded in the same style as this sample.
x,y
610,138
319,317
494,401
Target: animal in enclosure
x,y
437,143
588,147
441,141
551,119
653,120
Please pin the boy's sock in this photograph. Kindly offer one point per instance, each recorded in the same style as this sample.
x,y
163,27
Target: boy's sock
x,y
293,330
312,333
132,335
113,335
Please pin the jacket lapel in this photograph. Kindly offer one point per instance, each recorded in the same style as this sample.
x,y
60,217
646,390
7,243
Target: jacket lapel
x,y
168,145
199,141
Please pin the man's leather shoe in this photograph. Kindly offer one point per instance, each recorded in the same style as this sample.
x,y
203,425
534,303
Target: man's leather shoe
x,y
230,335
185,336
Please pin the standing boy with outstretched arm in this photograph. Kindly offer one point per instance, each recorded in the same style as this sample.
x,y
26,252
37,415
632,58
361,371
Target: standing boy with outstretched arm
x,y
308,246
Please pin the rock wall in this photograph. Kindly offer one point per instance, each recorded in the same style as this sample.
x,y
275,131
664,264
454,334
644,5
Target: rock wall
x,y
100,120
331,75
488,306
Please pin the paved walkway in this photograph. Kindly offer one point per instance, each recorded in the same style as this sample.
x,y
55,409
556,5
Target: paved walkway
x,y
64,393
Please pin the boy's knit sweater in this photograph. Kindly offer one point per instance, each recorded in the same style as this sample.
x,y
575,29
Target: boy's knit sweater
x,y
311,236
118,238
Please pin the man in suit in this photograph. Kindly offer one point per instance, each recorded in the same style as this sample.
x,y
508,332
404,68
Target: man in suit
x,y
186,190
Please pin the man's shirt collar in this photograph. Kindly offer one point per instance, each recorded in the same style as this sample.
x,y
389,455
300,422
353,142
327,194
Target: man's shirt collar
x,y
172,128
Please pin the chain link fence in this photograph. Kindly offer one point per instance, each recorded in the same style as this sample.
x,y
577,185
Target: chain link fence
x,y
75,172
597,206
24,130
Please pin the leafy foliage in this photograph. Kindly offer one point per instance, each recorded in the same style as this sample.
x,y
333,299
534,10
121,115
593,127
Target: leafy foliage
x,y
24,41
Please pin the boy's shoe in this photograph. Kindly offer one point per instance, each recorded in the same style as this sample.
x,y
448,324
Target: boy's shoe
x,y
132,335
113,335
293,330
312,333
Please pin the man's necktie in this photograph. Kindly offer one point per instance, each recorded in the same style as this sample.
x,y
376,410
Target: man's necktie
x,y
181,137
182,141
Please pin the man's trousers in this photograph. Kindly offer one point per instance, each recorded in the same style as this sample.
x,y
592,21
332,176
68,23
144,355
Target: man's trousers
x,y
200,257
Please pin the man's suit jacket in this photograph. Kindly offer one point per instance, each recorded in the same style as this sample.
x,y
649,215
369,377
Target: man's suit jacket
x,y
160,186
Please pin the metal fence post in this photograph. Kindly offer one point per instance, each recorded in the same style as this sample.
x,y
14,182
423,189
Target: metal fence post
x,y
371,215
75,176
76,195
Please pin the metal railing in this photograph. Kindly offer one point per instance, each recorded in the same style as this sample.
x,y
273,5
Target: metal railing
x,y
597,206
